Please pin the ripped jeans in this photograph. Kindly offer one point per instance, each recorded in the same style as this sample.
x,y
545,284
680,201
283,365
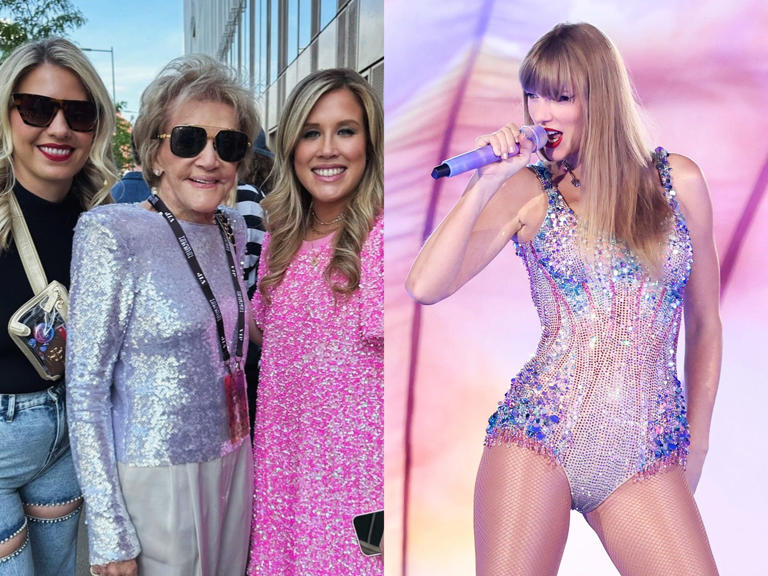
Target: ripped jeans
x,y
36,472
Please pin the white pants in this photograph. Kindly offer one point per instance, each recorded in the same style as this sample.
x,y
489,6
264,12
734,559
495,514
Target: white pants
x,y
192,519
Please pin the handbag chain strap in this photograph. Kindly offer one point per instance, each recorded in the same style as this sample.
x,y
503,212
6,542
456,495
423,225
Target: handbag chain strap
x,y
26,247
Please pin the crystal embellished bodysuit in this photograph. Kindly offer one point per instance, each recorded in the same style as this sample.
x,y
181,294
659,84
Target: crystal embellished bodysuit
x,y
601,396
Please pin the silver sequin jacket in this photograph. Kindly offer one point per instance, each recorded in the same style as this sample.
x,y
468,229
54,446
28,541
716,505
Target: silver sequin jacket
x,y
144,370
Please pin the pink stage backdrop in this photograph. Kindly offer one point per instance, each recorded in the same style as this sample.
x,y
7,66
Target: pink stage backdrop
x,y
701,73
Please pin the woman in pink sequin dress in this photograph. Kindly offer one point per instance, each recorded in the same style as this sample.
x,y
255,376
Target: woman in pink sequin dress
x,y
318,438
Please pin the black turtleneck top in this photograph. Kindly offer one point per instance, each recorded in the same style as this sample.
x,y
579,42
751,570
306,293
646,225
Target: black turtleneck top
x,y
52,226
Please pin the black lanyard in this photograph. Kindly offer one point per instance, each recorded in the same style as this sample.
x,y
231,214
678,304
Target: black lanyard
x,y
186,248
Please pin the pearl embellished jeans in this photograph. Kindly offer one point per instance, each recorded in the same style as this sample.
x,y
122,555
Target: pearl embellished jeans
x,y
36,472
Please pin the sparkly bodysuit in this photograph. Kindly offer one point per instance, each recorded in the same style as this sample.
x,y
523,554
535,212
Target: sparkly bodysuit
x,y
601,396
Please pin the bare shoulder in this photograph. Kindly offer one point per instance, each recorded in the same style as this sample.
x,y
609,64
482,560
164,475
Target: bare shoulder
x,y
692,195
525,184
505,211
689,184
522,189
683,168
533,209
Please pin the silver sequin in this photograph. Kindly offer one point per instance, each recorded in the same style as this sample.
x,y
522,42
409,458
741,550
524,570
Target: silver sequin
x,y
144,372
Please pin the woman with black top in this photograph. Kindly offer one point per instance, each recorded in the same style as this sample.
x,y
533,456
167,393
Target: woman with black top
x,y
56,120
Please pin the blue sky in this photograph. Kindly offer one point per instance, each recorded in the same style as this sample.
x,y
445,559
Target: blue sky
x,y
145,35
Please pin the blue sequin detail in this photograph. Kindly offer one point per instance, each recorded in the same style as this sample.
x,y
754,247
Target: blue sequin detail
x,y
601,395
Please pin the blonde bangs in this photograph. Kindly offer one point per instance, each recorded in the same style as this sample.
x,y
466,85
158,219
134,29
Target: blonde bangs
x,y
623,196
550,70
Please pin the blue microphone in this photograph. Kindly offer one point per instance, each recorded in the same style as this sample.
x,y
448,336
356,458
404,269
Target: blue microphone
x,y
482,156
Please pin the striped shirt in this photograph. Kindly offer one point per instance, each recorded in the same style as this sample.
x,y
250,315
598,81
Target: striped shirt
x,y
248,204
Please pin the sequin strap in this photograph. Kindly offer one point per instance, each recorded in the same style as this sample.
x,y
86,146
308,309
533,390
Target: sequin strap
x,y
661,160
545,178
555,201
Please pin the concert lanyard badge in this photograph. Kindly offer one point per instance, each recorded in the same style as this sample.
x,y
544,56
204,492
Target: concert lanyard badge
x,y
237,404
234,380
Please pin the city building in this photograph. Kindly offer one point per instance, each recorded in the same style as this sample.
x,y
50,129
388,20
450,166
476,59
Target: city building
x,y
275,43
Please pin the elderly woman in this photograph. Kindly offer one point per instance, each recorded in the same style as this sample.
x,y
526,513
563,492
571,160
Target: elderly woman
x,y
158,330
56,120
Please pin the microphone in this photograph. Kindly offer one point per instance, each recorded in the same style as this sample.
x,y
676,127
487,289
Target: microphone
x,y
482,156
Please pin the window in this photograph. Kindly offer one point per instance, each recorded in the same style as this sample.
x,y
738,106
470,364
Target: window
x,y
327,11
305,23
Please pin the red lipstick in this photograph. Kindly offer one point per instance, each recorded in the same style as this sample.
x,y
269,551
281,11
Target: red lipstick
x,y
56,152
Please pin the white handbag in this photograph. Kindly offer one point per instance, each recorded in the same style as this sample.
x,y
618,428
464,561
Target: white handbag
x,y
38,327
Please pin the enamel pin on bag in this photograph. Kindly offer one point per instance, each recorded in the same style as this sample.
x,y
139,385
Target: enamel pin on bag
x,y
38,326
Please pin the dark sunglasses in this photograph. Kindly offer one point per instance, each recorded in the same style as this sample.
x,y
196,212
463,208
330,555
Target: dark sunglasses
x,y
39,111
189,141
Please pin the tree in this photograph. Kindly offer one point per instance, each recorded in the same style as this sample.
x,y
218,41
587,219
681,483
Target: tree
x,y
121,141
24,20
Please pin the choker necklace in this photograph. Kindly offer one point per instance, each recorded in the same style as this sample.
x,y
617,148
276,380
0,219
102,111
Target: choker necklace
x,y
332,221
569,170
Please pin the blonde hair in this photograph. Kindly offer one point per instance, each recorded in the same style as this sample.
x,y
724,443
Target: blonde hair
x,y
93,182
195,77
624,198
288,205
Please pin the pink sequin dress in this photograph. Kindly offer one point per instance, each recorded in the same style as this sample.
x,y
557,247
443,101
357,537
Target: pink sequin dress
x,y
319,429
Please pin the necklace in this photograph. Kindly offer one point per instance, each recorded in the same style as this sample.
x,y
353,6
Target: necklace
x,y
569,170
315,255
316,230
316,219
315,248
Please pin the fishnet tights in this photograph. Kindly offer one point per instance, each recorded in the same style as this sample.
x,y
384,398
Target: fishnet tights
x,y
522,510
653,527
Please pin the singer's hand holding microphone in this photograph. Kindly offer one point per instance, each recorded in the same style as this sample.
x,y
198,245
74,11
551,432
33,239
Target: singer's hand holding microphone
x,y
501,153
